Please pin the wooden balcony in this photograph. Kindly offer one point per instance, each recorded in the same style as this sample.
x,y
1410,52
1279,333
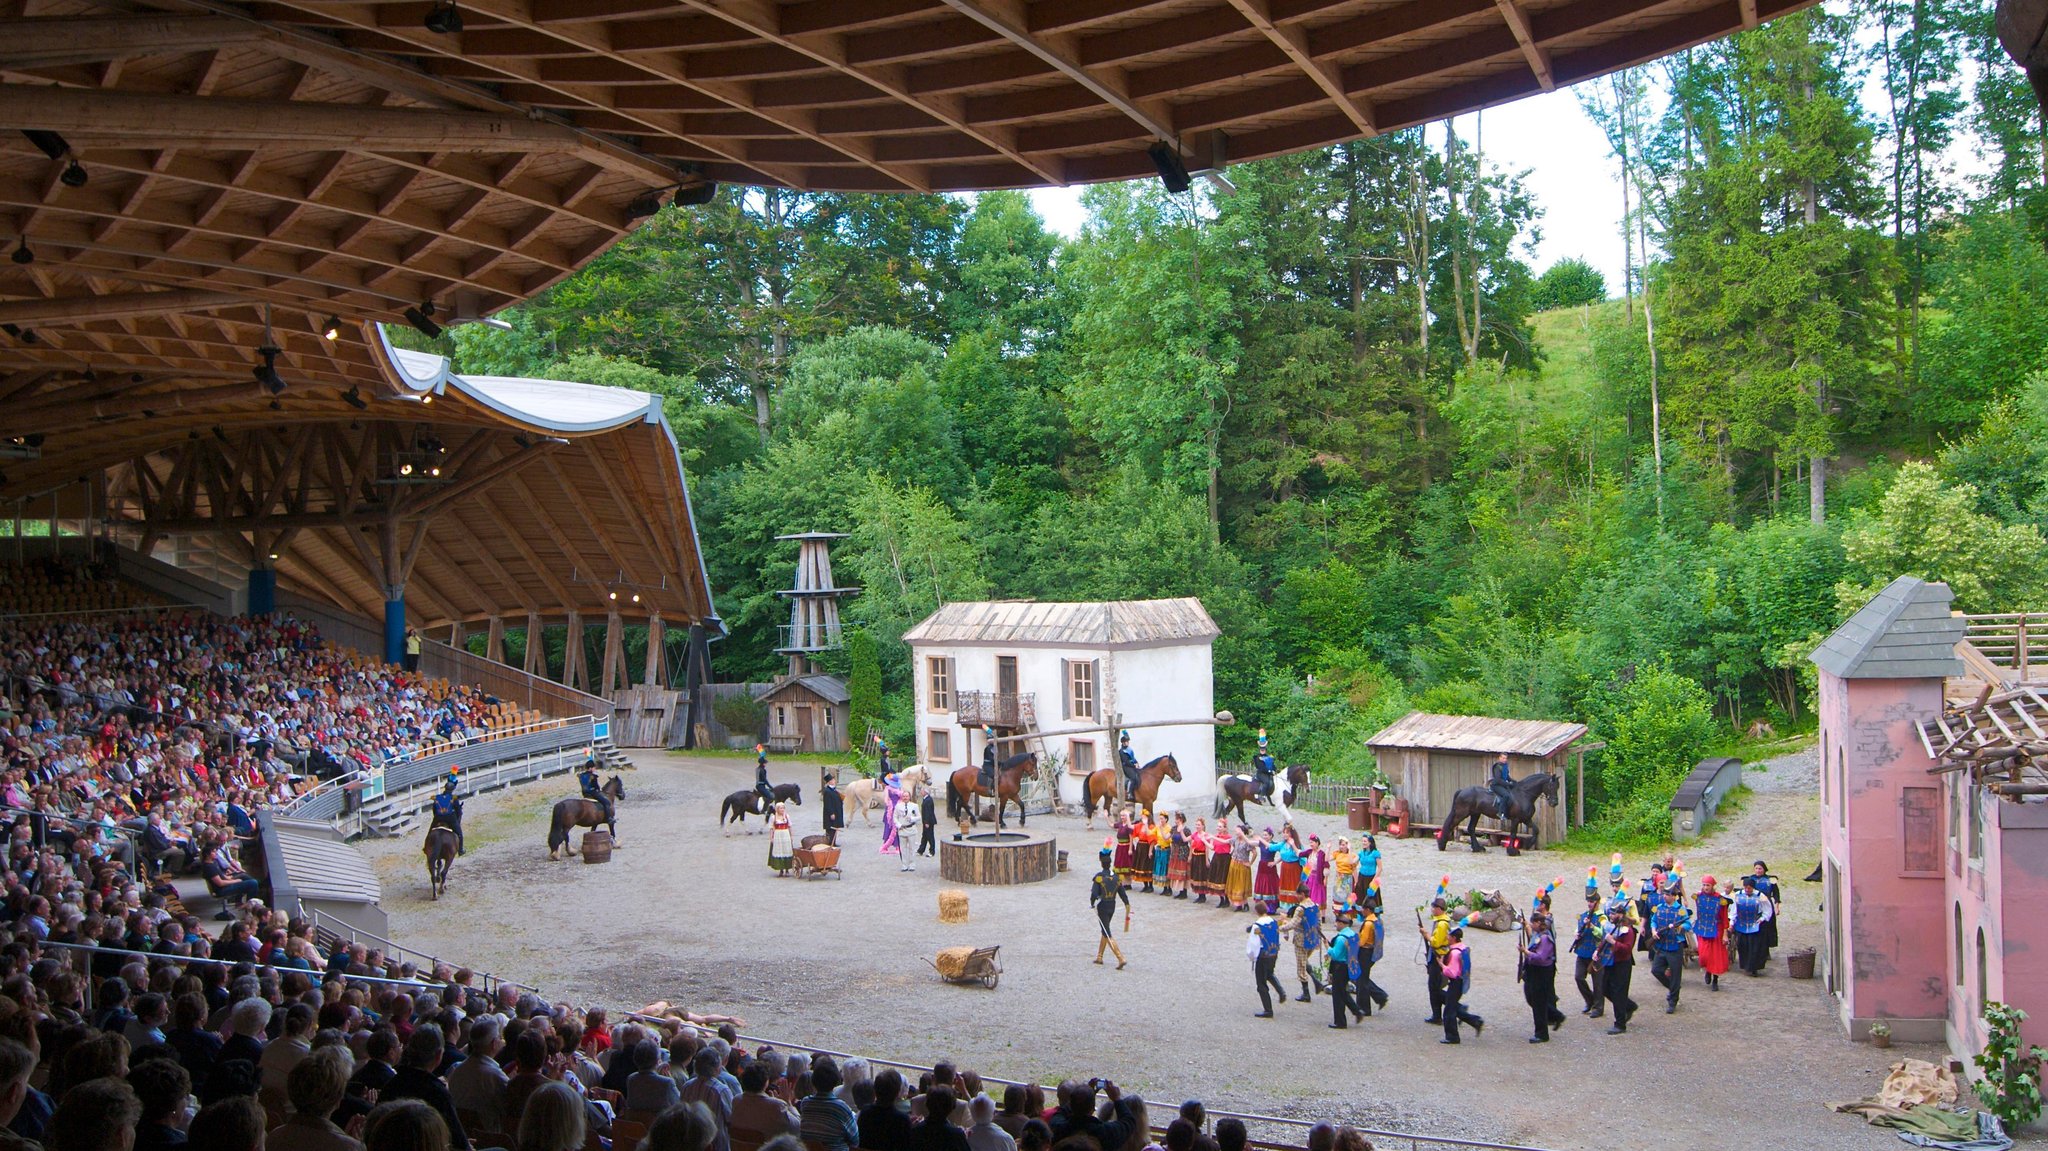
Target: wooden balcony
x,y
1000,708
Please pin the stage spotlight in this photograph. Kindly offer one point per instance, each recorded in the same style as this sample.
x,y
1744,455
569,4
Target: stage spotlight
x,y
266,373
644,205
444,18
1172,173
422,320
22,255
74,175
636,597
405,469
612,595
331,330
354,398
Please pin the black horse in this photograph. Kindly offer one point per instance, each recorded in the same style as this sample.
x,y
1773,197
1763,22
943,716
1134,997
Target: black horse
x,y
1472,802
741,804
1234,791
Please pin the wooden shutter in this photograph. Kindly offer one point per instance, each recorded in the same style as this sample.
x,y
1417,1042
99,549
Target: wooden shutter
x,y
1921,811
1066,689
952,685
1095,689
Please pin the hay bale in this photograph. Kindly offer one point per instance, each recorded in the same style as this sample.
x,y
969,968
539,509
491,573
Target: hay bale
x,y
952,962
952,906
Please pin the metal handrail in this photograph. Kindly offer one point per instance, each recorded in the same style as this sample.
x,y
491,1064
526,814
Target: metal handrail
x,y
140,607
489,734
318,974
356,935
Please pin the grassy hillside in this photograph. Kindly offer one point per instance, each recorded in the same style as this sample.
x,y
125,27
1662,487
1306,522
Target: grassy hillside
x,y
1564,337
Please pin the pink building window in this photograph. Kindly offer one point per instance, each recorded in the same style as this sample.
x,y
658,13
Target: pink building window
x,y
1959,945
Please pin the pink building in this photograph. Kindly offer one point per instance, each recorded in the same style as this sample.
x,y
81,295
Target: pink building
x,y
1933,849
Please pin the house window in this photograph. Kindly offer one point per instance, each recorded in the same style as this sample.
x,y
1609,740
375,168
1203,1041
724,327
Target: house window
x,y
781,718
1080,757
939,680
1841,788
1955,811
1920,809
1080,679
1959,945
828,715
1983,974
1976,805
938,745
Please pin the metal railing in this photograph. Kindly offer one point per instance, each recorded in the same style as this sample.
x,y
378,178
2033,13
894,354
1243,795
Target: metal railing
x,y
339,928
316,974
484,735
1001,708
409,786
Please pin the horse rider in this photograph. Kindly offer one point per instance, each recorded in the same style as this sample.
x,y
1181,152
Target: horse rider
x,y
1128,760
448,811
762,787
591,790
1502,784
988,758
882,750
1263,770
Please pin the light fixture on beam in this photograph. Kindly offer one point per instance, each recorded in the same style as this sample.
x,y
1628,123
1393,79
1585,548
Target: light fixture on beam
x,y
266,372
331,330
20,334
29,447
73,175
444,18
422,320
354,398
22,254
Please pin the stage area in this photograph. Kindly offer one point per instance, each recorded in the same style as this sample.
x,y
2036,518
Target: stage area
x,y
687,914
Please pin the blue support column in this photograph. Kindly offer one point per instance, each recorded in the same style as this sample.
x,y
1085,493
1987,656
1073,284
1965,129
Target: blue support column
x,y
262,591
394,630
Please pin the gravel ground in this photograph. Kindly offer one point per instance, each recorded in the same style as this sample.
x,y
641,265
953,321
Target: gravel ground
x,y
685,913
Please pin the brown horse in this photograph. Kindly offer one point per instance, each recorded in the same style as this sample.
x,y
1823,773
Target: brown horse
x,y
580,812
964,786
440,853
1101,785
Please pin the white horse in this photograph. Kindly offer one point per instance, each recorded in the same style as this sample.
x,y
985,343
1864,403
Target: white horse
x,y
863,794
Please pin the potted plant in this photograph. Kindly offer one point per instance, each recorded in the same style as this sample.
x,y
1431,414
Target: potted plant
x,y
1880,1034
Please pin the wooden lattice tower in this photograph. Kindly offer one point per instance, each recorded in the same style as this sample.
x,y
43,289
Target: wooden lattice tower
x,y
813,602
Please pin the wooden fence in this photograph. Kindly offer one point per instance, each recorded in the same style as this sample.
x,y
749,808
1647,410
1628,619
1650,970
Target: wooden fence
x,y
1325,797
2015,640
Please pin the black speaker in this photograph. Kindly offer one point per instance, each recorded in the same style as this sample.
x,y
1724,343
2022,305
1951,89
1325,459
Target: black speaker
x,y
1172,172
696,195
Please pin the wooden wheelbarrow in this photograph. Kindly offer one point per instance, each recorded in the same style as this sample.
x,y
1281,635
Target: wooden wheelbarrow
x,y
969,965
814,860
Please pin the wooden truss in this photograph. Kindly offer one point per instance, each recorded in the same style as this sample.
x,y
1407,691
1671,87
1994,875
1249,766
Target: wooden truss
x,y
2001,739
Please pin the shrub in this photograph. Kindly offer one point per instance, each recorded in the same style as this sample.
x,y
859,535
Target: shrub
x,y
2011,1083
740,714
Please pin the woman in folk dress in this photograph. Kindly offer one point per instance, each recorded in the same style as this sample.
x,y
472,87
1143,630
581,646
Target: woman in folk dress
x,y
1244,855
1180,857
1162,854
1343,872
1315,864
1198,860
781,843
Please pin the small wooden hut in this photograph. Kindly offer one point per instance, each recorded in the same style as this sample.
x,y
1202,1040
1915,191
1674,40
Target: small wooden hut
x,y
1428,758
807,713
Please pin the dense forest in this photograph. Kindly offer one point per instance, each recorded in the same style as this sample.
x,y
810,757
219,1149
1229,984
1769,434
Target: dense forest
x,y
1319,401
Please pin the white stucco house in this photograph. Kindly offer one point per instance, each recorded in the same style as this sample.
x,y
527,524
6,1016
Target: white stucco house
x,y
1075,672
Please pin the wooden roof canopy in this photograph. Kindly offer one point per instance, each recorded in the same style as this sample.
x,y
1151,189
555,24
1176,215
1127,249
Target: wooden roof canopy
x,y
254,169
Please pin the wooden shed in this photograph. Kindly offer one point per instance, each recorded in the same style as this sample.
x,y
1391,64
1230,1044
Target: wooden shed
x,y
807,713
1428,758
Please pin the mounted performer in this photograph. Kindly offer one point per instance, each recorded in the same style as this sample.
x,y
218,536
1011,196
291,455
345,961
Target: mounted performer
x,y
1128,761
988,759
448,811
762,787
1263,769
1501,783
592,791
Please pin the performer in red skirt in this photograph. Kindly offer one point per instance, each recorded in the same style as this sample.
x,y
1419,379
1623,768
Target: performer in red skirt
x,y
1710,929
1122,858
1141,851
1266,870
1198,860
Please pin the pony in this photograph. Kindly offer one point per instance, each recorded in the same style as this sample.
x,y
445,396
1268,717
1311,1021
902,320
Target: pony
x,y
964,786
1472,802
440,852
580,812
864,793
1234,791
1101,785
741,804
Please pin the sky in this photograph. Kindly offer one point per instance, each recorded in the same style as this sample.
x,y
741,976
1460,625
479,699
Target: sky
x,y
1573,177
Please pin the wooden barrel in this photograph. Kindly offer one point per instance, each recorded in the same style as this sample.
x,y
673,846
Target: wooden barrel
x,y
597,846
1029,858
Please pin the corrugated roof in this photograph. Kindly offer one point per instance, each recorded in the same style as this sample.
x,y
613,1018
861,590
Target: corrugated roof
x,y
831,689
1477,733
1105,624
1906,631
322,867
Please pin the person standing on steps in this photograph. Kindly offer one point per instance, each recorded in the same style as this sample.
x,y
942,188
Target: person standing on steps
x,y
1586,970
1670,923
1539,977
1437,936
1264,948
1457,976
1103,892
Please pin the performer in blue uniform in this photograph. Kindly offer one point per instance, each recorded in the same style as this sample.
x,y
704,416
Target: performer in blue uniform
x,y
1263,770
1669,923
1502,784
448,811
1128,760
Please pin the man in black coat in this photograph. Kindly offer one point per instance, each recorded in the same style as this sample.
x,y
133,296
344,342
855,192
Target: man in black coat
x,y
414,1078
835,808
928,818
1079,1116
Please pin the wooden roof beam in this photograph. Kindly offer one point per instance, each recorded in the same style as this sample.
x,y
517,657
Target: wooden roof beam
x,y
59,41
1293,41
765,20
214,122
73,309
1539,60
1009,19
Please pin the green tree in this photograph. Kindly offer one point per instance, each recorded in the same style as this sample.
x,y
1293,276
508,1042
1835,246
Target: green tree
x,y
863,686
1569,283
1992,333
1657,725
1933,530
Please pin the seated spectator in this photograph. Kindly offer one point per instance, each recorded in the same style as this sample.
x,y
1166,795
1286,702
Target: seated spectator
x,y
405,1125
828,1123
684,1127
937,1132
986,1135
477,1084
1014,1115
414,1079
161,1087
315,1088
96,1115
647,1089
376,1071
1036,1136
1230,1134
756,1115
704,1087
885,1124
529,1071
1079,1116
282,1054
553,1120
17,1063
147,1027
243,1035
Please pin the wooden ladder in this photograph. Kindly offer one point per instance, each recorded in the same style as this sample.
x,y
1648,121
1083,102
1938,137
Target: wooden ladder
x,y
1048,775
